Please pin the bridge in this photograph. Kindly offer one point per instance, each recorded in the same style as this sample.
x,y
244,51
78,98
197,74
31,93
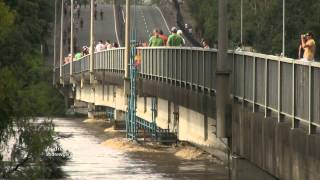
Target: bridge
x,y
273,119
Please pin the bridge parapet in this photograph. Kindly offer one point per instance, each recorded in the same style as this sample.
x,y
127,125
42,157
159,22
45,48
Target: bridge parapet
x,y
279,86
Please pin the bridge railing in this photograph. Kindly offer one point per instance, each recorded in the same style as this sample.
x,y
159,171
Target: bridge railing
x,y
81,65
285,87
187,66
110,60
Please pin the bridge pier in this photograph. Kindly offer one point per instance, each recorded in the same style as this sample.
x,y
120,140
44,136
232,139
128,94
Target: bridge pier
x,y
119,119
91,110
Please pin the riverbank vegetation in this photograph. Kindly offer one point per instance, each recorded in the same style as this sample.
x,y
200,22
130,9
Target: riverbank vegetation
x,y
262,23
26,92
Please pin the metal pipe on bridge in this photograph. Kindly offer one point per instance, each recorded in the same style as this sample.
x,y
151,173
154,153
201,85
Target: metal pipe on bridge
x,y
222,72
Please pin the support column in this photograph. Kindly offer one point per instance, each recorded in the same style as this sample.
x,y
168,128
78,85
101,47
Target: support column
x,y
119,119
222,72
91,110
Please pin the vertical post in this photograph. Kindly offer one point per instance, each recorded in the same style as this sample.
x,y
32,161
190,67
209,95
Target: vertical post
x,y
222,72
254,85
294,125
241,22
54,43
127,47
61,41
310,101
283,27
91,42
266,95
71,38
279,91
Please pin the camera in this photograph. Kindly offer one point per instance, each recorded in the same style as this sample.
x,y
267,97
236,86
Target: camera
x,y
304,36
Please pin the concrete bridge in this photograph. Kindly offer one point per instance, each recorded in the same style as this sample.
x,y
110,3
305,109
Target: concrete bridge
x,y
273,112
274,119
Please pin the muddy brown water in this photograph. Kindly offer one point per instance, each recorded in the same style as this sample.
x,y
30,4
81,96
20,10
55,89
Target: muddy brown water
x,y
92,160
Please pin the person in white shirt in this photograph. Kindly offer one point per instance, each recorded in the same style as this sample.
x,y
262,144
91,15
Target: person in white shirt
x,y
180,33
108,45
99,47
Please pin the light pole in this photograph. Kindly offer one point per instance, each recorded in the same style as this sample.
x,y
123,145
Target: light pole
x,y
54,43
61,41
283,27
241,23
127,48
71,38
91,41
222,72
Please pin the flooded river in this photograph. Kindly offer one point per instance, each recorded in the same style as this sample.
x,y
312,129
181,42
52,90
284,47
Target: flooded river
x,y
93,160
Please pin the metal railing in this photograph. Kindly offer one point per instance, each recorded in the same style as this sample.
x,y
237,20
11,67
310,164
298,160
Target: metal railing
x,y
187,66
287,87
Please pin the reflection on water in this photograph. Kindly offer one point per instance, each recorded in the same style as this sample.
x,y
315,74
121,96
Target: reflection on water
x,y
91,160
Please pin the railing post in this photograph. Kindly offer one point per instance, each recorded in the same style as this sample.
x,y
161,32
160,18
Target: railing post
x,y
311,128
254,84
279,91
294,125
244,79
191,64
266,88
203,69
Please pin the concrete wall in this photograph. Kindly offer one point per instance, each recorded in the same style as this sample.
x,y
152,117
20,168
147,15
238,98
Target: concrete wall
x,y
190,125
288,154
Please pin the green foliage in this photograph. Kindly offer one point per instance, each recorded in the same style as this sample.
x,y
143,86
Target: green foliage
x,y
25,91
6,18
262,22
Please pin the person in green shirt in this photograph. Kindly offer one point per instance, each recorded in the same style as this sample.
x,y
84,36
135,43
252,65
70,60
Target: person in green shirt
x,y
78,56
155,40
174,39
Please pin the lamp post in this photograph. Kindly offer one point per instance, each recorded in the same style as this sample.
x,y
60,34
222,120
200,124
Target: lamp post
x,y
71,38
54,43
283,27
91,42
61,42
222,72
127,49
241,23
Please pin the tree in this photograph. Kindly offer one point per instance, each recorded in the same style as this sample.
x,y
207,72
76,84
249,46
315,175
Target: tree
x,y
262,23
25,91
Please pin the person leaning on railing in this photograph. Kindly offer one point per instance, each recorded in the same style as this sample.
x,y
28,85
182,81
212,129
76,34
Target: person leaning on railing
x,y
309,46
